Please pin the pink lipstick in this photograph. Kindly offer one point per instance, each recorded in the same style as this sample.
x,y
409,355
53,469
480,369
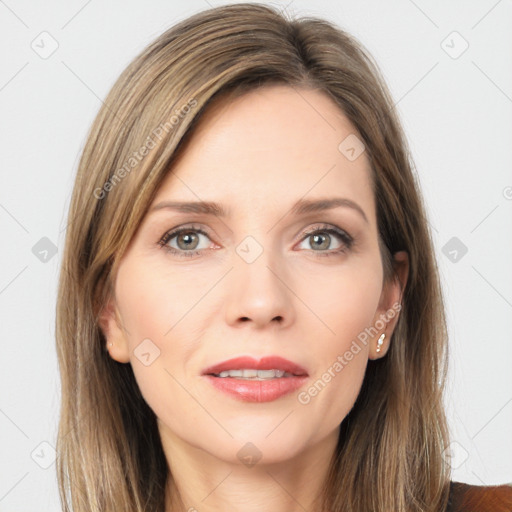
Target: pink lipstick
x,y
252,380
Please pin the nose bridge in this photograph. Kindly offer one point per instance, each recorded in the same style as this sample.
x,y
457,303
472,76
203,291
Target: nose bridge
x,y
257,291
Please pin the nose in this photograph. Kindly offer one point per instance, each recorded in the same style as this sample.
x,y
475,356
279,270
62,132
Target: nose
x,y
258,294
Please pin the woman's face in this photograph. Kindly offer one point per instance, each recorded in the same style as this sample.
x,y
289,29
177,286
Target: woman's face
x,y
268,278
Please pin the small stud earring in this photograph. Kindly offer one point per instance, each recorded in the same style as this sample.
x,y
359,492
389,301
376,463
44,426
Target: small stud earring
x,y
380,342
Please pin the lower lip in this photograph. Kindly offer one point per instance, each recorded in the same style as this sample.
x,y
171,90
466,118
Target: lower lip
x,y
257,390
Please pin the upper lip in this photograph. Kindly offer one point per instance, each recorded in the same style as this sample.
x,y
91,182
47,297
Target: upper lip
x,y
248,362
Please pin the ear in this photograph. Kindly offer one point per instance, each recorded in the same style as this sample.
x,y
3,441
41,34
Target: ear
x,y
390,305
116,335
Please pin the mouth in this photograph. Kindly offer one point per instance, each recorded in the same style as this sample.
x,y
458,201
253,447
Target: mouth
x,y
252,380
251,374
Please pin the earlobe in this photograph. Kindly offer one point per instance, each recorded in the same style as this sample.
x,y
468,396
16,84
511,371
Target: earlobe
x,y
114,333
379,346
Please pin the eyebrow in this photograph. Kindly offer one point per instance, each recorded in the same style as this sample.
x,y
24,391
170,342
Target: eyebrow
x,y
301,207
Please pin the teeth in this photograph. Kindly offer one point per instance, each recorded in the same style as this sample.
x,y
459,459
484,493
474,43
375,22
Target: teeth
x,y
255,374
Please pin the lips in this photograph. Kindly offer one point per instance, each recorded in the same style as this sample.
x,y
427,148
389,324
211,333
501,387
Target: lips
x,y
251,380
249,363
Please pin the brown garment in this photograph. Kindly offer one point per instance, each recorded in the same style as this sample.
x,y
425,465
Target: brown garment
x,y
479,498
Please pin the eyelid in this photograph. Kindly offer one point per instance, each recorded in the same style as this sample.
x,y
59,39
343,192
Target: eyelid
x,y
346,239
323,227
172,233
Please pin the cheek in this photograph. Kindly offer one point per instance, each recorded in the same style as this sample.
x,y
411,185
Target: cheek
x,y
160,337
155,303
342,302
159,311
346,303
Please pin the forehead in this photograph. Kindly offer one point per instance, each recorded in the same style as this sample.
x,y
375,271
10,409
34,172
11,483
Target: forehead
x,y
270,147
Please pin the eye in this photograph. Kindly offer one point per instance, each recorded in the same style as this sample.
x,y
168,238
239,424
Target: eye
x,y
187,243
321,237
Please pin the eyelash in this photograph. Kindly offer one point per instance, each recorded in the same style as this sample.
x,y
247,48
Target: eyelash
x,y
346,239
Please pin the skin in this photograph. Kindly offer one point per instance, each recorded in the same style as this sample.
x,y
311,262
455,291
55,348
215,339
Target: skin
x,y
256,156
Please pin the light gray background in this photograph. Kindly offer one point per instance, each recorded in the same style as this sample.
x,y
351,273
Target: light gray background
x,y
456,110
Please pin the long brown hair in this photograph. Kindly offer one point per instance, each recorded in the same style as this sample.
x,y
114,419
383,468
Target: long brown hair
x,y
110,458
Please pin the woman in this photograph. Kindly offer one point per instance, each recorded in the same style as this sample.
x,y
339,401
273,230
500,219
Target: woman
x,y
249,312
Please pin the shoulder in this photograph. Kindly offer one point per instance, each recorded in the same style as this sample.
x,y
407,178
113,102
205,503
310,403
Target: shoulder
x,y
479,498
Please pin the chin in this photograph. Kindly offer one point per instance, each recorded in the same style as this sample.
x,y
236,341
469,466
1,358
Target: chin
x,y
261,442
